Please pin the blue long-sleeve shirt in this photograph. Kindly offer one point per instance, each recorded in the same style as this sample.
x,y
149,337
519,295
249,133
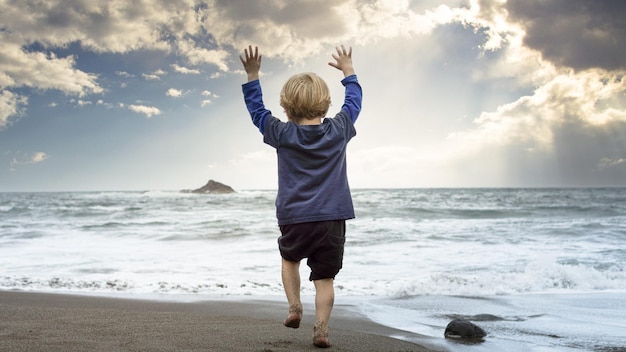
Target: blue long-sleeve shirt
x,y
312,176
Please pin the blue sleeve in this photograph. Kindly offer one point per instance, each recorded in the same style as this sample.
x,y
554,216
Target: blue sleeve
x,y
253,97
354,96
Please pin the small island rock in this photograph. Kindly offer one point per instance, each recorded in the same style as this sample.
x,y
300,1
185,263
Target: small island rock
x,y
212,187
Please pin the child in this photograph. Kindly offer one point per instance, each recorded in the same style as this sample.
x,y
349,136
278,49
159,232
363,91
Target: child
x,y
313,198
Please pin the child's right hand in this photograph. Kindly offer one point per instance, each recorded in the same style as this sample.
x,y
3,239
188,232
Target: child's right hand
x,y
343,61
252,63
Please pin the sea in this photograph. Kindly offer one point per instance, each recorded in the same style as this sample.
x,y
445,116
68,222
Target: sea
x,y
538,269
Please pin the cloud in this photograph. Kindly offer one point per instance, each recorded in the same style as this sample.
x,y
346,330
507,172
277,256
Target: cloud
x,y
11,104
185,70
287,29
392,19
149,111
566,57
198,55
81,102
175,93
291,30
25,159
199,33
115,26
570,128
38,157
606,163
154,76
20,68
124,74
581,34
209,94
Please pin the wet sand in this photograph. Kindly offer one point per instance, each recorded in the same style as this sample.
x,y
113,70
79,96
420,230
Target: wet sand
x,y
61,322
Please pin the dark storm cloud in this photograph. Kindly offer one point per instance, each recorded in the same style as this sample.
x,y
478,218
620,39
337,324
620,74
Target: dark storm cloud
x,y
581,34
582,155
591,154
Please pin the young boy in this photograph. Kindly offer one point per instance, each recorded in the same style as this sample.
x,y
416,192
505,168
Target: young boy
x,y
313,198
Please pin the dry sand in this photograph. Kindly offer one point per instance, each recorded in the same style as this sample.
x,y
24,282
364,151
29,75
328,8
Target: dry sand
x,y
58,322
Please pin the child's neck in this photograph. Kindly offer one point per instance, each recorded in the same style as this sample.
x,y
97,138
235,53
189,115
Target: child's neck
x,y
315,121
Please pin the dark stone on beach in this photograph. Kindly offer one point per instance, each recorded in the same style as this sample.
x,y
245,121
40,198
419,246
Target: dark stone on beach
x,y
463,329
212,187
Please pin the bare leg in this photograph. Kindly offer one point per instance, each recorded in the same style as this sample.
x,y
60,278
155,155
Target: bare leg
x,y
291,283
324,301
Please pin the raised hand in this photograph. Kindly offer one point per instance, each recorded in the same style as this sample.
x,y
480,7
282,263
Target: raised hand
x,y
343,60
251,63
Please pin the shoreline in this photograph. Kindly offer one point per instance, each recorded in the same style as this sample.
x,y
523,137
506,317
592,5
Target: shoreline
x,y
33,321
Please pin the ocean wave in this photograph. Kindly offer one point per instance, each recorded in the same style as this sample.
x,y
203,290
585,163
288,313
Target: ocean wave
x,y
208,287
12,210
537,277
402,243
117,225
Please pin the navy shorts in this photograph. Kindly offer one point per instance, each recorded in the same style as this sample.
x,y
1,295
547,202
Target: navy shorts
x,y
321,242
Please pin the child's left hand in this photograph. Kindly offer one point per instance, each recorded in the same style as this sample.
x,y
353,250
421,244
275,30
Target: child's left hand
x,y
252,63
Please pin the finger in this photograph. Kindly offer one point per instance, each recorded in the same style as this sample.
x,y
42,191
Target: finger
x,y
350,52
256,52
343,49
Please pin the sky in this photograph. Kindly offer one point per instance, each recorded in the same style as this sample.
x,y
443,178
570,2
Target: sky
x,y
115,95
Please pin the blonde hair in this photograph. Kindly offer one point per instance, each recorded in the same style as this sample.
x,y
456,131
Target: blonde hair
x,y
305,95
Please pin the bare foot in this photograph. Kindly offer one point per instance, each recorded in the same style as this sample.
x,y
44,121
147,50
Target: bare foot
x,y
295,315
320,335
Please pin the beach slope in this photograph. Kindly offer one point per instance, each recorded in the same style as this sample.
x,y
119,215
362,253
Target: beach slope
x,y
58,322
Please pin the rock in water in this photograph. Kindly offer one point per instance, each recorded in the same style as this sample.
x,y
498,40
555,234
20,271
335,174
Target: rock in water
x,y
463,329
212,187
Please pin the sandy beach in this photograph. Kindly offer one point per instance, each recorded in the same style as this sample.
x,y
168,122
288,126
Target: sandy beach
x,y
60,322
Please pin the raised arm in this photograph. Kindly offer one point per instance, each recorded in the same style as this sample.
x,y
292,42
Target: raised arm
x,y
252,93
354,95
